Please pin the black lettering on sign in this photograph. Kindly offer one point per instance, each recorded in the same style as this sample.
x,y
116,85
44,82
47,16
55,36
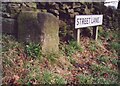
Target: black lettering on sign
x,y
88,20
95,20
77,21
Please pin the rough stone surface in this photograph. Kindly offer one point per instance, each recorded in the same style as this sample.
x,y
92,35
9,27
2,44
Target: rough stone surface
x,y
49,27
28,30
65,11
8,26
41,28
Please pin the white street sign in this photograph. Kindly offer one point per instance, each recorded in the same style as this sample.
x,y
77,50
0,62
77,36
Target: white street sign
x,y
88,20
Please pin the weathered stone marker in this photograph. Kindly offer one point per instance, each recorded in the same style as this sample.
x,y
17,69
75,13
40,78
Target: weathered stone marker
x,y
82,21
40,28
28,30
49,27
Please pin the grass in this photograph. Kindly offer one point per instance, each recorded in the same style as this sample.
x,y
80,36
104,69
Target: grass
x,y
101,75
103,33
50,78
93,46
85,79
104,73
71,48
114,39
9,42
52,57
33,50
101,80
114,61
88,79
71,60
35,72
115,46
103,58
101,68
47,77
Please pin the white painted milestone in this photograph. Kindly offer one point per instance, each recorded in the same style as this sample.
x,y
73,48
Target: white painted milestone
x,y
88,20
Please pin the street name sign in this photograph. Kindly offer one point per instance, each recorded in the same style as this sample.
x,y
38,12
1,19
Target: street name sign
x,y
88,20
82,21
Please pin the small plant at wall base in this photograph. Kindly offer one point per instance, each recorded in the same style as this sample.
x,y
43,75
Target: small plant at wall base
x,y
72,47
33,50
52,57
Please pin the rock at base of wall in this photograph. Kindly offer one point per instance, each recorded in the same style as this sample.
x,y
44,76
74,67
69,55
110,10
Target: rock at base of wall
x,y
28,30
49,26
40,28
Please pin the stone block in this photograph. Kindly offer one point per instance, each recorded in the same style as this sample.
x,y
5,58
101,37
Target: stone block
x,y
40,28
28,30
49,26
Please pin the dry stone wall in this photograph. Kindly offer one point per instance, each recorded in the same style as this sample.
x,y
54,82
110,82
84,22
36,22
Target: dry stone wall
x,y
64,11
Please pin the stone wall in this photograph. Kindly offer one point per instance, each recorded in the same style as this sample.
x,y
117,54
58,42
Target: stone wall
x,y
64,11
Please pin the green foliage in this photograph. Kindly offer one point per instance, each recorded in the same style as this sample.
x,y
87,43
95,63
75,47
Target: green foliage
x,y
101,80
52,57
50,78
33,50
72,47
104,59
103,33
100,68
59,80
93,46
10,50
89,79
9,42
115,46
102,71
33,73
47,77
6,61
114,61
85,79
71,60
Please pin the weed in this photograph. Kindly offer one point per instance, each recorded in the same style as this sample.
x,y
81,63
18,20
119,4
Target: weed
x,y
59,80
85,79
102,72
9,42
47,77
52,57
9,50
33,72
114,61
33,50
103,33
115,46
102,59
7,62
101,80
88,79
72,48
100,68
71,60
51,78
93,46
